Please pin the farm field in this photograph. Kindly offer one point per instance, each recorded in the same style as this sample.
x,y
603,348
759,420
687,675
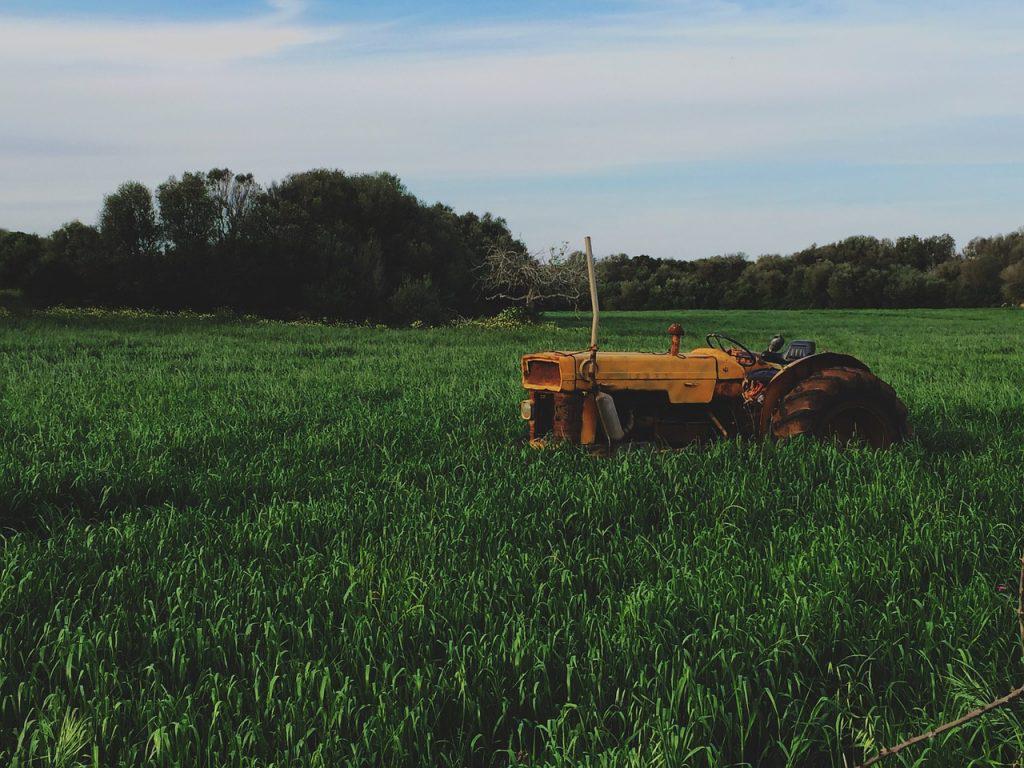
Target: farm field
x,y
242,543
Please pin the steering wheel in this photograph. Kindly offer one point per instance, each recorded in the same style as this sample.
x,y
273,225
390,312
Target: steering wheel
x,y
743,356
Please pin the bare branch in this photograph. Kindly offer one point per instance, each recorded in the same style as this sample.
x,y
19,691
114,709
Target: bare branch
x,y
1013,695
515,275
1016,693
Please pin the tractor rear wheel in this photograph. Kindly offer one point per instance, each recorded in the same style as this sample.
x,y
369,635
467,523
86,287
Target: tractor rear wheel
x,y
846,405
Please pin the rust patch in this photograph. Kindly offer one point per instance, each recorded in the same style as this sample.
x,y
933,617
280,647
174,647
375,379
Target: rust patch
x,y
730,388
675,332
567,417
588,431
543,373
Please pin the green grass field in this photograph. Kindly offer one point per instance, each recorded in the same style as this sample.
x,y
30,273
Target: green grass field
x,y
235,543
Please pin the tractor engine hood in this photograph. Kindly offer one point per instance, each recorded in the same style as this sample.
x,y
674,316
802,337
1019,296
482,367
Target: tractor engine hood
x,y
689,378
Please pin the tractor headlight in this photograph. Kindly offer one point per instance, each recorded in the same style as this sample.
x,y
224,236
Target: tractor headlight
x,y
526,409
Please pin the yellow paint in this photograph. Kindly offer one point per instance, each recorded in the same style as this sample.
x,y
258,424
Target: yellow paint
x,y
688,378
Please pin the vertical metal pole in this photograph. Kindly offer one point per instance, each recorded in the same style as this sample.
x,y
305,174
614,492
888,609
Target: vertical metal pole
x,y
594,309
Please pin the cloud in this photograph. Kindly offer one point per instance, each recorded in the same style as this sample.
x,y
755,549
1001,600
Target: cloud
x,y
288,9
496,107
47,43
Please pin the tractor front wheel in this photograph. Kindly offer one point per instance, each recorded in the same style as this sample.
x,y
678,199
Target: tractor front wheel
x,y
845,405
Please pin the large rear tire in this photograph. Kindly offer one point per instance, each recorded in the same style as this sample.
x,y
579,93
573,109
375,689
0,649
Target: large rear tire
x,y
844,405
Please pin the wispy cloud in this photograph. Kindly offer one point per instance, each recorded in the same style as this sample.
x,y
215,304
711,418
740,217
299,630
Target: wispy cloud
x,y
464,110
54,43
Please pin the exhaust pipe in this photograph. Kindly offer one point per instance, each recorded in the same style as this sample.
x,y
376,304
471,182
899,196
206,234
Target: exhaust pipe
x,y
606,409
595,311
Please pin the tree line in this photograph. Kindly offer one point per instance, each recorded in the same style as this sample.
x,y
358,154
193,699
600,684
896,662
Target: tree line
x,y
856,272
320,244
327,244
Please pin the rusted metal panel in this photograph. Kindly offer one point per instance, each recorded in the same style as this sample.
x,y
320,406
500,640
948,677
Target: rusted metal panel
x,y
729,388
567,413
543,372
588,428
550,371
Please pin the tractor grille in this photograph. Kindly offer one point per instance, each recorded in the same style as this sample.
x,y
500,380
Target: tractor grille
x,y
556,414
543,373
567,417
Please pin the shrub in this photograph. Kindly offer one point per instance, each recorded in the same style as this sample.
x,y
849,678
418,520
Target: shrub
x,y
417,300
1013,282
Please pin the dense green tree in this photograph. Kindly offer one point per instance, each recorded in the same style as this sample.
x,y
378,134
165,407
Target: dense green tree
x,y
924,253
909,287
130,235
984,260
189,215
1013,283
128,223
73,270
844,286
20,253
814,284
189,219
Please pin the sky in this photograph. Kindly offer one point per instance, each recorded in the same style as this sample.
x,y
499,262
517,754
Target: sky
x,y
676,128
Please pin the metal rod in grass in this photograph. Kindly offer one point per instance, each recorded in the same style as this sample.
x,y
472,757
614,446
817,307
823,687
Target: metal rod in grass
x,y
1013,695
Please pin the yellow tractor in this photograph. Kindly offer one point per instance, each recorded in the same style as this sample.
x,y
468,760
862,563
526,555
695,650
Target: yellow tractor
x,y
721,390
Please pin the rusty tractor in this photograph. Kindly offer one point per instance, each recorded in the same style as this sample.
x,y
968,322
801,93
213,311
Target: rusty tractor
x,y
720,390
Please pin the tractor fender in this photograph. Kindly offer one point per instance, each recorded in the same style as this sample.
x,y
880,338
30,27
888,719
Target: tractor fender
x,y
796,372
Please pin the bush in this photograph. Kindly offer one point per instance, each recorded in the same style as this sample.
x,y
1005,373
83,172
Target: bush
x,y
508,318
1013,282
12,303
416,300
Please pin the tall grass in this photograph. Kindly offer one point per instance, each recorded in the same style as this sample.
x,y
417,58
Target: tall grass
x,y
247,543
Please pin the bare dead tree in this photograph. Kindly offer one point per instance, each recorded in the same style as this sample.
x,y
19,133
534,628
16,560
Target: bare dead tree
x,y
530,278
1013,695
